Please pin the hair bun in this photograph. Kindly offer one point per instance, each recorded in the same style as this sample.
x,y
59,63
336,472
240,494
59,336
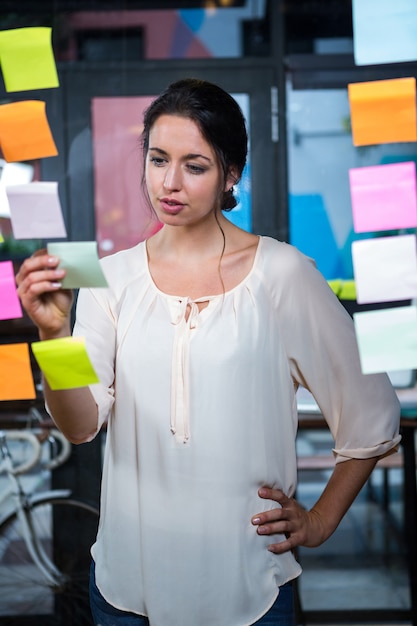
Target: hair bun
x,y
229,200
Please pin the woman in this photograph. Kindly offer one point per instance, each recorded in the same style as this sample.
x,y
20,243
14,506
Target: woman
x,y
200,343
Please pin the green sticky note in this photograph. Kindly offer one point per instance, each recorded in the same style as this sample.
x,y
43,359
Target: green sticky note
x,y
27,59
81,262
65,362
387,339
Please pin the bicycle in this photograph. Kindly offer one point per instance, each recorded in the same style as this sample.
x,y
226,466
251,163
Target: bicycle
x,y
45,535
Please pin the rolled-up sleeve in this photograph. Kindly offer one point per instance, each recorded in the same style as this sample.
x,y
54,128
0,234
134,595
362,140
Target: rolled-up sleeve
x,y
362,410
95,322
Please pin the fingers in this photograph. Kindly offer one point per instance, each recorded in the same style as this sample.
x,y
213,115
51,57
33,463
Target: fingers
x,y
39,261
39,274
271,494
39,286
289,520
276,520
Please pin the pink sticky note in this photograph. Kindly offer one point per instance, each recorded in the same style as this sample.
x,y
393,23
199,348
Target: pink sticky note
x,y
9,302
384,197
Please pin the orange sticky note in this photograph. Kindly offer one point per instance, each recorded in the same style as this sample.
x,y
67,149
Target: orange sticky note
x,y
383,111
16,379
25,132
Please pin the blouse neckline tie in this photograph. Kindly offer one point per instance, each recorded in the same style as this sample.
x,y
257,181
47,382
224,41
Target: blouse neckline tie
x,y
184,316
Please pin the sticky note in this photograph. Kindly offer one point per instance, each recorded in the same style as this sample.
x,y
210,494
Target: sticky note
x,y
384,31
335,285
384,197
10,307
383,111
348,290
343,289
387,339
35,211
16,379
65,362
81,262
12,174
25,132
385,269
27,59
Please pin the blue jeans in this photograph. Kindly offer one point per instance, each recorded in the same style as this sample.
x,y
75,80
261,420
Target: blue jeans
x,y
104,614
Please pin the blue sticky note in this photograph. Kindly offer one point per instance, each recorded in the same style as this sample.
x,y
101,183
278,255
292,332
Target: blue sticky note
x,y
384,31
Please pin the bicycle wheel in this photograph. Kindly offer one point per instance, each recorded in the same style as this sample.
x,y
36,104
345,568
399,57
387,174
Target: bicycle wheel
x,y
67,529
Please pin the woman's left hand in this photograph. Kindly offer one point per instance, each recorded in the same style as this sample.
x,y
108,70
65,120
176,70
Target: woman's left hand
x,y
312,528
300,527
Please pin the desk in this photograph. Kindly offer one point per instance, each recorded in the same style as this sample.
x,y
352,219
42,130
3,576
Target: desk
x,y
309,417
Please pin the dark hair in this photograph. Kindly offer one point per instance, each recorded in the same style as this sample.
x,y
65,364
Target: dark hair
x,y
218,117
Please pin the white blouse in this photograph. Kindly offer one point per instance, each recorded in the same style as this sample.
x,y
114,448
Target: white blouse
x,y
201,413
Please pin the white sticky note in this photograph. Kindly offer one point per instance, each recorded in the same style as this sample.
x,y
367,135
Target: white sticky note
x,y
385,269
387,339
35,211
12,174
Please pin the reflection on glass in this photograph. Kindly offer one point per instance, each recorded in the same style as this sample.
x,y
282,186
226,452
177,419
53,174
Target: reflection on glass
x,y
123,215
132,35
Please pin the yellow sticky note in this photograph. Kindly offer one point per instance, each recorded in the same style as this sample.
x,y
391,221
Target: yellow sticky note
x,y
25,132
348,290
65,362
27,59
383,111
16,379
335,285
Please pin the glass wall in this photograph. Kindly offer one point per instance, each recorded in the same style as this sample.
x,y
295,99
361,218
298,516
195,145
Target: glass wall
x,y
96,121
198,33
320,154
122,213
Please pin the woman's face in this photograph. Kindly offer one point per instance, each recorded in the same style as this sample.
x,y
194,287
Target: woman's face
x,y
183,177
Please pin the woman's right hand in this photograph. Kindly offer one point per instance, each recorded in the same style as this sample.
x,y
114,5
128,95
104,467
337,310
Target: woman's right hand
x,y
46,303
